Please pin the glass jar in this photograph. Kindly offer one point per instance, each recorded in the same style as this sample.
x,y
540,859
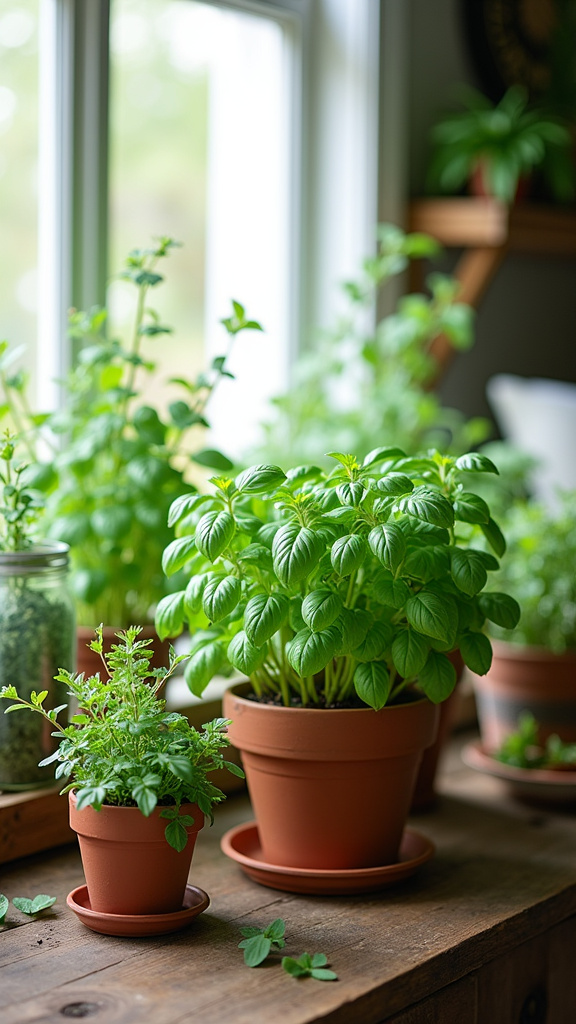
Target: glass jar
x,y
37,638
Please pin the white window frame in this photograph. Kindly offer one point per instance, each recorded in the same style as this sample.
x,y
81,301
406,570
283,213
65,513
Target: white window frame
x,y
347,154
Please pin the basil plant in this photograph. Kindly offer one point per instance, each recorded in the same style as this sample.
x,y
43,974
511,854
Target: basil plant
x,y
326,588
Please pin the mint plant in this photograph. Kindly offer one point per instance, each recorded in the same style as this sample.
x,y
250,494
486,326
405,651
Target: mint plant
x,y
258,943
347,586
34,906
115,461
309,966
523,748
123,748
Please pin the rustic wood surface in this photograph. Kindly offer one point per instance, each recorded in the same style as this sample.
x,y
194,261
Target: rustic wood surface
x,y
504,873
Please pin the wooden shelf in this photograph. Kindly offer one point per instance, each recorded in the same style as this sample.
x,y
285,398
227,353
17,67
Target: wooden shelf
x,y
487,230
33,821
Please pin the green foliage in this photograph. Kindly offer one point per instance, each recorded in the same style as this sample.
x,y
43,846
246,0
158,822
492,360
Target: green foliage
x,y
524,748
35,905
122,747
359,383
508,140
20,505
326,587
309,966
258,943
4,904
539,572
116,462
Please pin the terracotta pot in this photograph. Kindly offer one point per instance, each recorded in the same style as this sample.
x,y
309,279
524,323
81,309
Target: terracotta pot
x,y
425,789
330,789
89,662
129,866
526,679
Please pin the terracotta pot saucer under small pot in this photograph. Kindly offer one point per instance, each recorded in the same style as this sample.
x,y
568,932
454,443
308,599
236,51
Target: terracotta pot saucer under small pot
x,y
242,844
138,925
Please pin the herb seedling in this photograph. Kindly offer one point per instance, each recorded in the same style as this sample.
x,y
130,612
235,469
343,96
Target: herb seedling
x,y
4,904
307,966
34,906
524,748
20,505
258,943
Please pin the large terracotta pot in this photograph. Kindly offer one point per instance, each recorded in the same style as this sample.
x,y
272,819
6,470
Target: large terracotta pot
x,y
526,679
90,663
129,866
330,789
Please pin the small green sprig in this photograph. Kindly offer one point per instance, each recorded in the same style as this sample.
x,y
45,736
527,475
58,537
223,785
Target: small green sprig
x,y
4,904
309,966
20,505
31,907
523,748
258,943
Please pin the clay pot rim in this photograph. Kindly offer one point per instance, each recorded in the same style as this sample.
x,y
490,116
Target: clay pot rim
x,y
238,691
508,650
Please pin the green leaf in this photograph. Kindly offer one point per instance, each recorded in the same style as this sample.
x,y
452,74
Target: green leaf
x,y
202,665
354,624
348,554
34,906
264,615
4,904
178,552
214,533
500,608
183,505
323,974
476,651
321,608
433,615
372,683
221,596
296,551
395,484
145,797
388,543
277,929
409,653
256,949
427,563
244,655
194,592
351,493
389,591
375,642
213,459
169,618
494,536
437,678
382,455
473,462
471,508
260,479
176,835
310,652
429,506
468,570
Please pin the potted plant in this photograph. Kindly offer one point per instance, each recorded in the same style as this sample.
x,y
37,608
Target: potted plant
x,y
36,619
116,462
534,665
392,367
494,147
340,596
138,782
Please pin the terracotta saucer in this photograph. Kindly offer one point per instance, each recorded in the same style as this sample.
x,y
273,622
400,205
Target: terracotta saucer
x,y
542,784
242,844
133,925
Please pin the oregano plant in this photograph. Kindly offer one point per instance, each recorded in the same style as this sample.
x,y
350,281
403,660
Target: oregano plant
x,y
352,585
122,747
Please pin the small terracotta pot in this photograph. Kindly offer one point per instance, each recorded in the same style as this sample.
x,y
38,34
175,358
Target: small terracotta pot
x,y
129,866
90,663
526,679
330,789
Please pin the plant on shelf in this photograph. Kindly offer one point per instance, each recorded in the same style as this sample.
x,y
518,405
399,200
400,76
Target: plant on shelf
x,y
123,751
534,663
502,144
361,383
337,594
36,616
117,462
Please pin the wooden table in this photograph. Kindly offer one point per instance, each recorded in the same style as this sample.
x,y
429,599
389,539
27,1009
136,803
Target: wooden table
x,y
485,932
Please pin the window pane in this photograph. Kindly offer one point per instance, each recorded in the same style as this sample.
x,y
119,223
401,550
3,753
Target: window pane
x,y
18,174
199,128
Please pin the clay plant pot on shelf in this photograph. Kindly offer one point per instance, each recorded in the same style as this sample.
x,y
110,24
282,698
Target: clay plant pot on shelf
x,y
139,785
338,595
